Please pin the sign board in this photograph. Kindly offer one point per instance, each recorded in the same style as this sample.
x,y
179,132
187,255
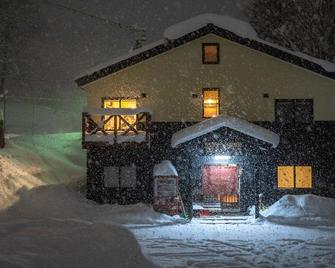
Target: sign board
x,y
165,187
220,147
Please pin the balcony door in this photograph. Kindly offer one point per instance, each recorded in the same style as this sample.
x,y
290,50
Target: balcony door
x,y
119,103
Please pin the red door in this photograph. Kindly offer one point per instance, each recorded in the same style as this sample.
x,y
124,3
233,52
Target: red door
x,y
222,182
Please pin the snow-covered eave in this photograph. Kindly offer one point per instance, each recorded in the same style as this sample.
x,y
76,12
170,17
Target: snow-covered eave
x,y
215,123
240,28
164,169
174,36
123,58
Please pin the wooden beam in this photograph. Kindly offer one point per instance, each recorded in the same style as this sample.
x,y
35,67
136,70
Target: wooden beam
x,y
130,126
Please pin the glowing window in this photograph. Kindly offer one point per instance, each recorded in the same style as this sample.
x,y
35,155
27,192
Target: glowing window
x,y
211,103
303,177
210,53
120,103
285,177
290,177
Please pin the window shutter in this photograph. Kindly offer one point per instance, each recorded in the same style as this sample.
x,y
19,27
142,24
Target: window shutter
x,y
128,176
111,176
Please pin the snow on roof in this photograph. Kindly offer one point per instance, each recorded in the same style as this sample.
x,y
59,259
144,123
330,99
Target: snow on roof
x,y
236,26
215,123
121,58
165,168
239,27
117,111
326,65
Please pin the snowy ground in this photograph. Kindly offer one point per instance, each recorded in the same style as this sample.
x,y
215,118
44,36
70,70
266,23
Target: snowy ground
x,y
29,161
238,245
55,226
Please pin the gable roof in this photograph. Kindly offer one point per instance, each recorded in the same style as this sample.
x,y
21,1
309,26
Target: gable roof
x,y
215,123
187,31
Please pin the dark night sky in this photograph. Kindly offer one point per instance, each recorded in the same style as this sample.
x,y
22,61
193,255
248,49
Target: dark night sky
x,y
65,44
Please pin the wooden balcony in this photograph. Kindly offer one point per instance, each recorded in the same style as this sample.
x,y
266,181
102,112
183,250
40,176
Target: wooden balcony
x,y
115,125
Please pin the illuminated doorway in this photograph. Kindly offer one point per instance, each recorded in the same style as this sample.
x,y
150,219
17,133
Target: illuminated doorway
x,y
220,187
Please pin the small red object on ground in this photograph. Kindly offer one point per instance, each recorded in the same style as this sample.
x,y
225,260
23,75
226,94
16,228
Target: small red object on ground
x,y
204,213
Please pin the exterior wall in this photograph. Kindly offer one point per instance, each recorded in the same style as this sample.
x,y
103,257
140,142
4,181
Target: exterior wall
x,y
99,157
300,145
243,76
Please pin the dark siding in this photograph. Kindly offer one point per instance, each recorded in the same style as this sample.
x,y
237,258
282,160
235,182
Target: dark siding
x,y
300,145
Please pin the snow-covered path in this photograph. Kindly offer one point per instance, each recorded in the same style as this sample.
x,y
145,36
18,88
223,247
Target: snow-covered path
x,y
238,245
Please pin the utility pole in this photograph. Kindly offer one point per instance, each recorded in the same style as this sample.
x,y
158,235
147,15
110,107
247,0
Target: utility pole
x,y
3,92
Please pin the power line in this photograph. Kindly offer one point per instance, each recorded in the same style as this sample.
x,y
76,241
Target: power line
x,y
93,16
40,80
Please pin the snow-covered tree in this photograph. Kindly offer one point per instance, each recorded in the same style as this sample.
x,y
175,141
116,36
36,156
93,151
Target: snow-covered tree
x,y
19,20
307,26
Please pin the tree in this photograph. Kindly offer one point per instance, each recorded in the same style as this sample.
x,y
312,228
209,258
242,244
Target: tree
x,y
307,26
18,22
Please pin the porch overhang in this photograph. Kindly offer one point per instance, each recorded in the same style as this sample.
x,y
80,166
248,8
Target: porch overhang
x,y
215,123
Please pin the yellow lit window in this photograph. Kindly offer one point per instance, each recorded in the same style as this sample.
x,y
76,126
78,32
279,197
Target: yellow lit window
x,y
211,103
210,53
120,103
303,177
285,177
290,177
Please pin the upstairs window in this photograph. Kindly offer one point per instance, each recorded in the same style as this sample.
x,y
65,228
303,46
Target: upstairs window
x,y
294,177
210,53
294,111
211,102
119,103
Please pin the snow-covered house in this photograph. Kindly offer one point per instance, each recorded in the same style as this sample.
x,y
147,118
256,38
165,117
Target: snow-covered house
x,y
214,99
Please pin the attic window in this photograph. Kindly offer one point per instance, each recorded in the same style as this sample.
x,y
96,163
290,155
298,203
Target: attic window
x,y
210,53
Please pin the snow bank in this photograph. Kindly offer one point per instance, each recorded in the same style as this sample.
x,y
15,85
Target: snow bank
x,y
68,243
236,26
56,226
66,201
302,210
165,168
29,161
212,124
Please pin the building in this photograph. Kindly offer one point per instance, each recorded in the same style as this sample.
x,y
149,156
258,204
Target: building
x,y
146,107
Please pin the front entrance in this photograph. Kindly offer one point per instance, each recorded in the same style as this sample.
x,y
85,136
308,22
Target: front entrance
x,y
219,189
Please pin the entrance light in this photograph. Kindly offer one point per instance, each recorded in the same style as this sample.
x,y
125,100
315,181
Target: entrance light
x,y
222,157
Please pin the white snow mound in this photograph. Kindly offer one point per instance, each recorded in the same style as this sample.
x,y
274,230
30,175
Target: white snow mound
x,y
165,168
236,26
302,210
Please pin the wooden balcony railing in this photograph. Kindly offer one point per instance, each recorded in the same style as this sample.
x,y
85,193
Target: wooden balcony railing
x,y
116,125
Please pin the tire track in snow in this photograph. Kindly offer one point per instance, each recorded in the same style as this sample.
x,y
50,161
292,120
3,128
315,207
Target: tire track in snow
x,y
238,253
